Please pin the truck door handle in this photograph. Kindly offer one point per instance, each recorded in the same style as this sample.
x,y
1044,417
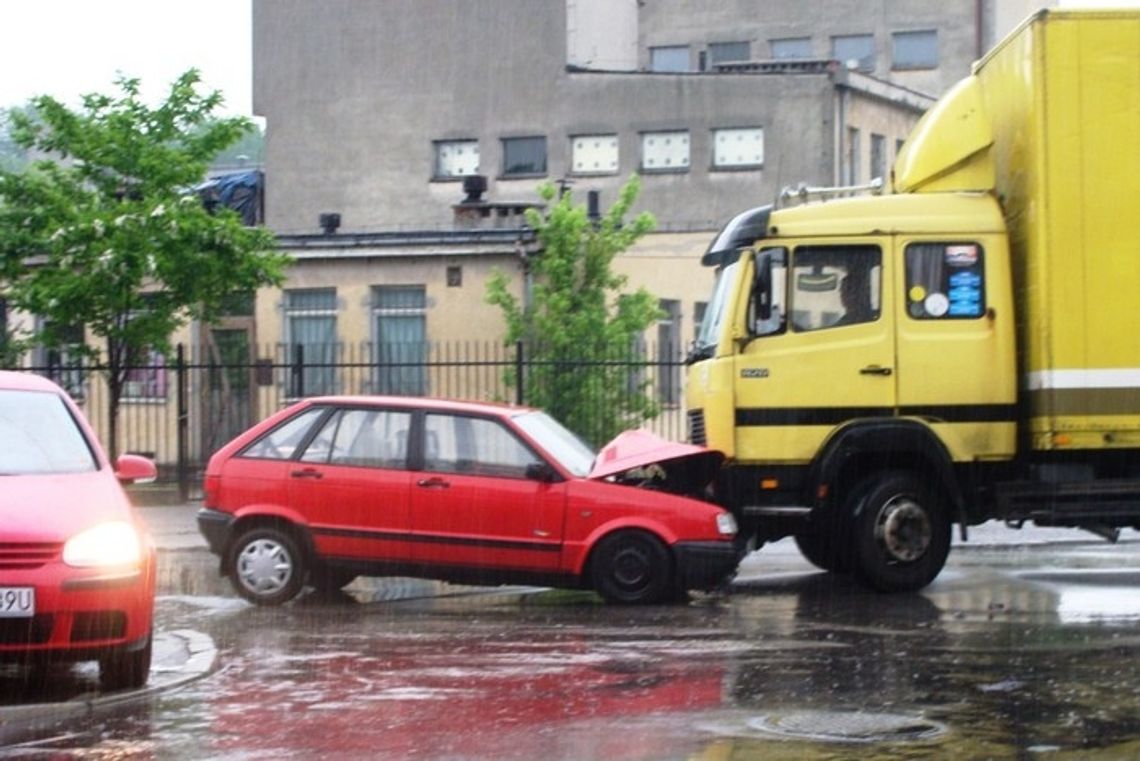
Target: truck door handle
x,y
307,473
432,483
875,370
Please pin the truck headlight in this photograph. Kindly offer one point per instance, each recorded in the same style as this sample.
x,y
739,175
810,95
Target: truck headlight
x,y
726,524
106,545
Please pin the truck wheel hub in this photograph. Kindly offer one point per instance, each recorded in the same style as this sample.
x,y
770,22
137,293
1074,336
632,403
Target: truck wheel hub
x,y
903,530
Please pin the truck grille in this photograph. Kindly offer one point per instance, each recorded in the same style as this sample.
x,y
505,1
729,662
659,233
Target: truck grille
x,y
23,555
697,427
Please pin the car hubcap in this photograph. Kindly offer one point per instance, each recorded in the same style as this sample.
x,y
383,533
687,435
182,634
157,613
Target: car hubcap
x,y
631,567
903,529
264,567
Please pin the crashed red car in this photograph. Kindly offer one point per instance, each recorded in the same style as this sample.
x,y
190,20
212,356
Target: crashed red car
x,y
336,487
77,568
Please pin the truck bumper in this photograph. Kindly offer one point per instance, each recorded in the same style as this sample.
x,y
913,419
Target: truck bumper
x,y
703,565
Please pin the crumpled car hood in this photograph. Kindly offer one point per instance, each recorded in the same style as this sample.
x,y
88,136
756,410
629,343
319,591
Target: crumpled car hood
x,y
640,448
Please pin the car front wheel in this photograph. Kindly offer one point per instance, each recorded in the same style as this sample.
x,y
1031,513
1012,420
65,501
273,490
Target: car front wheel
x,y
266,567
632,568
126,669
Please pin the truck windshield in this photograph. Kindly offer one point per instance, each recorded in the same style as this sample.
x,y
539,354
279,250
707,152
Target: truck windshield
x,y
705,345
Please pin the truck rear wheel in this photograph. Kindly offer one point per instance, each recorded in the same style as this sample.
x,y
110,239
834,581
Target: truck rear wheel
x,y
902,532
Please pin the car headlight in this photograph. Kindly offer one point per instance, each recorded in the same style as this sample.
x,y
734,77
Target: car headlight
x,y
108,544
726,524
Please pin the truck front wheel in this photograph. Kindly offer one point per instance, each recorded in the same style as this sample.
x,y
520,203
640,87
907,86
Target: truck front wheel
x,y
902,532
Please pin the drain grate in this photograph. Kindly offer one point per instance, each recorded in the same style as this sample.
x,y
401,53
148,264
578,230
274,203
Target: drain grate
x,y
850,726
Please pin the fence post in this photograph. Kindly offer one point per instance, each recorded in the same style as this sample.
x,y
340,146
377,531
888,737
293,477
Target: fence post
x,y
298,371
519,372
183,425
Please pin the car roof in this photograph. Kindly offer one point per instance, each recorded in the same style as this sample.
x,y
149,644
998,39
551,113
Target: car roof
x,y
497,409
19,381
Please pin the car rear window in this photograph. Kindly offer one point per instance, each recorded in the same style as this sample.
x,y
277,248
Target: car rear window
x,y
39,435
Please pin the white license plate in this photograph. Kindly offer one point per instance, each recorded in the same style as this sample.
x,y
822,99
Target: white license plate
x,y
17,602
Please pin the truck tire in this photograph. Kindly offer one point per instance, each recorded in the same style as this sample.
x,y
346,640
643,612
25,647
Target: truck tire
x,y
823,549
902,532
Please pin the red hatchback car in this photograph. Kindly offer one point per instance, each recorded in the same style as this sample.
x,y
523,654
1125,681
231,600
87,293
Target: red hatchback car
x,y
336,487
77,569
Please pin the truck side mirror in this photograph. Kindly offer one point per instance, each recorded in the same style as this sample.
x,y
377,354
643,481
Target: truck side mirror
x,y
762,288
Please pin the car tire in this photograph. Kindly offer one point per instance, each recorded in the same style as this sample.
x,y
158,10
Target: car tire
x,y
266,566
632,568
126,669
902,532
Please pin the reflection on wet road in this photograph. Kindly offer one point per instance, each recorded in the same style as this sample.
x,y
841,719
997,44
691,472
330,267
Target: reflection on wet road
x,y
1007,655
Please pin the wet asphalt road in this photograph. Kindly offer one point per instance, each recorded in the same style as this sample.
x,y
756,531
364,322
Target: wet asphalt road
x,y
1014,652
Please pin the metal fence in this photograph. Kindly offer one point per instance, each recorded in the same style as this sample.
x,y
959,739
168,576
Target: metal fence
x,y
181,408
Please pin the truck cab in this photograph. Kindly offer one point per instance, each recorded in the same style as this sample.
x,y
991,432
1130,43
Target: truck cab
x,y
831,361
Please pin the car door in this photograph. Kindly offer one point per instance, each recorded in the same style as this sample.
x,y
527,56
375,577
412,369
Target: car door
x,y
351,484
472,503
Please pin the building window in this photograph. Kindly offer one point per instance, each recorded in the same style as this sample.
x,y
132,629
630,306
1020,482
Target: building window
x,y
456,158
855,51
851,163
63,361
736,148
524,156
399,317
945,281
914,50
665,151
594,154
728,52
791,48
669,352
669,58
878,156
146,377
310,341
455,277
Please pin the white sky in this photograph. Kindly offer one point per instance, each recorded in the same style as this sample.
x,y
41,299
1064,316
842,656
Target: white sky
x,y
67,48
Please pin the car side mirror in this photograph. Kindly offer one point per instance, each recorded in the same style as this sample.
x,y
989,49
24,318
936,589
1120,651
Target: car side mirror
x,y
541,471
135,469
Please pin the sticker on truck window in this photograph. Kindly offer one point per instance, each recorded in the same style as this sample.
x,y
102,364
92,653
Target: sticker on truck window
x,y
945,281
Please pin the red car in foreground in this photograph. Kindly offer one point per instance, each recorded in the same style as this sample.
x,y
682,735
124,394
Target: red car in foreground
x,y
77,569
336,487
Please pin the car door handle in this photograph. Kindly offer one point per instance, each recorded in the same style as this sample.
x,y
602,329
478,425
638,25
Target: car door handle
x,y
432,483
875,370
307,473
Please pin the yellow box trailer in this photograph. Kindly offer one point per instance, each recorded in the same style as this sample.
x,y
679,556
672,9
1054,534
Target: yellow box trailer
x,y
960,347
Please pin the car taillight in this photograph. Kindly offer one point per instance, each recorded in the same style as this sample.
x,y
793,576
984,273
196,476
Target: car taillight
x,y
212,488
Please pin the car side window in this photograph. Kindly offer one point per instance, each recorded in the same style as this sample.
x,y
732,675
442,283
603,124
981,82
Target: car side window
x,y
362,437
474,446
281,442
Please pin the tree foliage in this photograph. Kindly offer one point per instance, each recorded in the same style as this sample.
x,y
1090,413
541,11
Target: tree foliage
x,y
580,332
104,229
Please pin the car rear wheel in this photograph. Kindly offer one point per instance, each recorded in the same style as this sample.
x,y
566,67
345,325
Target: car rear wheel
x,y
266,566
126,669
632,568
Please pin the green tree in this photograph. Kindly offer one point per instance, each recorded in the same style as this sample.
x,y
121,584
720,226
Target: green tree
x,y
104,231
579,330
12,156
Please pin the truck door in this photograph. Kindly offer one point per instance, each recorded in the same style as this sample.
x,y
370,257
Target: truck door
x,y
955,342
825,355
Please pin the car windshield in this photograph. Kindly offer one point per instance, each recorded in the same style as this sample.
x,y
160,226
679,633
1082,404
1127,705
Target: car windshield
x,y
40,435
570,451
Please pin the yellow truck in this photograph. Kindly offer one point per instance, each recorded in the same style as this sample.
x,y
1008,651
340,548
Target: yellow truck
x,y
960,345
